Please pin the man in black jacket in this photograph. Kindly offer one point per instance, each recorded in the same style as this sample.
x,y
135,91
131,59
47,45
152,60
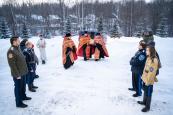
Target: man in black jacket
x,y
137,63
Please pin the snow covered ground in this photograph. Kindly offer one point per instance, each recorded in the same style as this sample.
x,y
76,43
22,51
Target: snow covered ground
x,y
89,88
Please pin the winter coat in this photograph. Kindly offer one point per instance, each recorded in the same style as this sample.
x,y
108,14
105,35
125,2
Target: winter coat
x,y
16,61
137,62
150,70
36,58
30,58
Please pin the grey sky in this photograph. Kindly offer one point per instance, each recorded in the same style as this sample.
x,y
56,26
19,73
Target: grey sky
x,y
71,2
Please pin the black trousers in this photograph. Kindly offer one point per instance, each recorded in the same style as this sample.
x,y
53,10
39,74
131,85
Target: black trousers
x,y
138,84
20,89
17,91
133,81
23,86
148,90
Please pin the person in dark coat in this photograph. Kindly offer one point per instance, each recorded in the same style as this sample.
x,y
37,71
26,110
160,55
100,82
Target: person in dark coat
x,y
137,63
22,47
18,67
30,60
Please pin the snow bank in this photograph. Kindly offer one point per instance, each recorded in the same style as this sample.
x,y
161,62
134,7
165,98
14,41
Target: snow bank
x,y
89,88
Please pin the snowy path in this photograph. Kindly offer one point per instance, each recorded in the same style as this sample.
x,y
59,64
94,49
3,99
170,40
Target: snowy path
x,y
88,88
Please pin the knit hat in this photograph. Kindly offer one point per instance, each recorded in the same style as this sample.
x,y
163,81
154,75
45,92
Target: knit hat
x,y
98,34
67,35
85,32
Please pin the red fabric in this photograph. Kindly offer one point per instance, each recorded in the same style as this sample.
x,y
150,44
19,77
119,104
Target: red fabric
x,y
82,41
99,39
75,56
80,50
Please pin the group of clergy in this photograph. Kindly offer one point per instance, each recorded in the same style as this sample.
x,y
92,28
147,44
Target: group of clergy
x,y
86,48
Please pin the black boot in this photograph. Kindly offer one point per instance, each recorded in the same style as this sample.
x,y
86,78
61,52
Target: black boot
x,y
141,102
102,55
36,76
43,62
27,98
31,89
85,59
148,103
136,95
22,105
144,100
131,89
34,87
72,63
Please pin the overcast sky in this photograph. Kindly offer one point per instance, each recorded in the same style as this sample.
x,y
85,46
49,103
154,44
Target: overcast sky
x,y
71,2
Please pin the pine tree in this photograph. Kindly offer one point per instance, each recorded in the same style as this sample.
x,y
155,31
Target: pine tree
x,y
47,34
140,27
68,26
100,25
115,32
162,29
25,31
5,32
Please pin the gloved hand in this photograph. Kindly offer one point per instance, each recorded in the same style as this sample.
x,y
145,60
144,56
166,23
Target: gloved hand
x,y
37,62
31,70
18,77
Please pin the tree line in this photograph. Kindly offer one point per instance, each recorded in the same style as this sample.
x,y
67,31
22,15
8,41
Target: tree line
x,y
132,17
